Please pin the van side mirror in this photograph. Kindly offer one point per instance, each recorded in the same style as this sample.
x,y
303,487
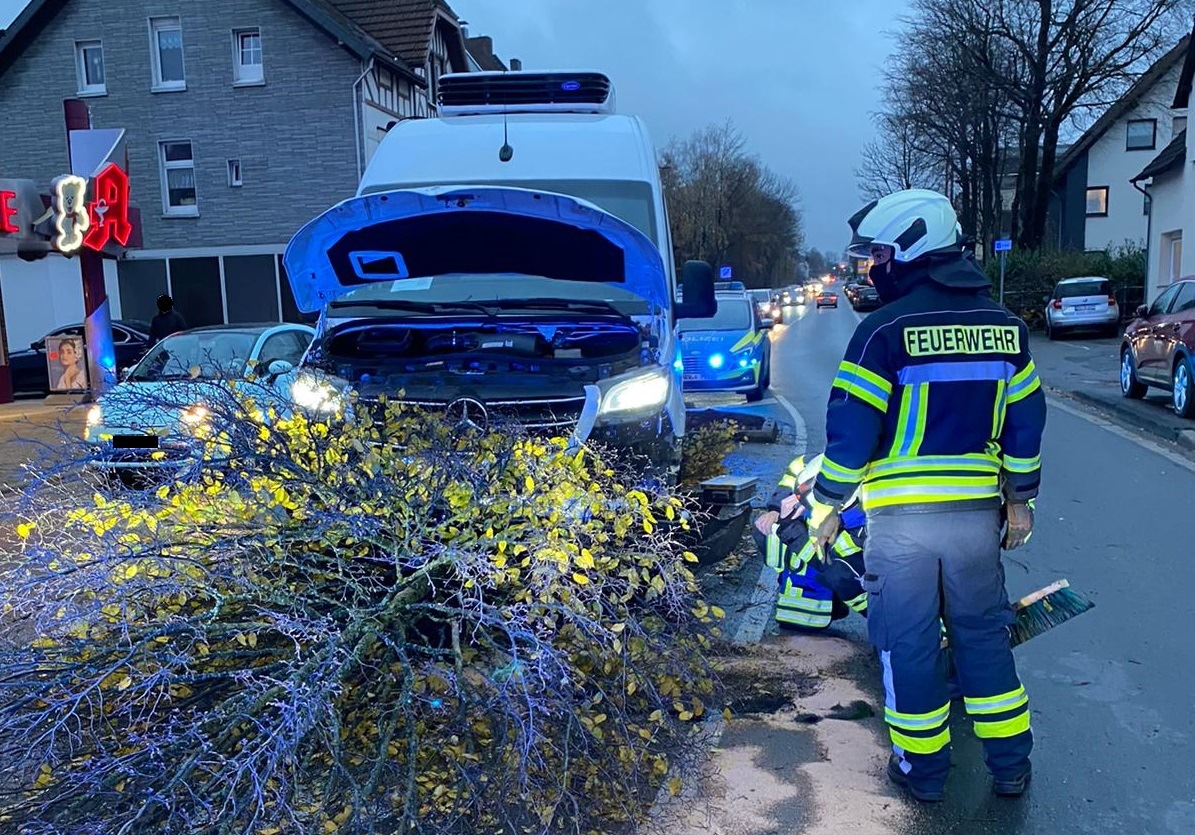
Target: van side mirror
x,y
1142,312
279,367
126,372
697,291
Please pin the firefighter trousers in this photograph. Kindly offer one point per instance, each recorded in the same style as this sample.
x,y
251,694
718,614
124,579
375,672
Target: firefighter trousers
x,y
914,560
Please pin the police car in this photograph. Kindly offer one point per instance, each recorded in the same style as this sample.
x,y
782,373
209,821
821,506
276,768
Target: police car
x,y
730,352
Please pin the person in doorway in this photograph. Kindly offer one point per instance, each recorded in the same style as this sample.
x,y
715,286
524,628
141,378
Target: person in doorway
x,y
167,321
937,413
74,375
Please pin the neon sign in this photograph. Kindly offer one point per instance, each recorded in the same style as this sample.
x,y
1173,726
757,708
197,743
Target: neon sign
x,y
8,212
109,209
81,213
71,219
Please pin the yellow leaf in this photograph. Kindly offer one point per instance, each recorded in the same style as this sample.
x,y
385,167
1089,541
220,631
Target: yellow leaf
x,y
529,483
253,639
580,579
124,684
585,560
674,786
690,556
718,611
24,529
726,713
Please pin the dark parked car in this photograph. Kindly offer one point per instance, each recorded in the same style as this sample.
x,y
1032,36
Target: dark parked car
x,y
28,367
866,298
1158,348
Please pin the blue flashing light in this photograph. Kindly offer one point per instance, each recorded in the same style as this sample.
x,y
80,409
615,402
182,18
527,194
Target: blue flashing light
x,y
571,86
743,362
679,364
717,361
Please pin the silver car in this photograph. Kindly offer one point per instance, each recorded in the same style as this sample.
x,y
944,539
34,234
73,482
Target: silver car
x,y
1082,304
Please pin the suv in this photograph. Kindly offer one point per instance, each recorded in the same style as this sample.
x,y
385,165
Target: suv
x,y
728,352
1158,347
1079,303
494,306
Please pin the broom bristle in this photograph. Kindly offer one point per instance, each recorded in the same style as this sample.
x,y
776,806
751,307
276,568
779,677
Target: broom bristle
x,y
1049,611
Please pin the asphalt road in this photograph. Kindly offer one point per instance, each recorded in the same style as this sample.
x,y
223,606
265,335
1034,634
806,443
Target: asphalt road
x,y
1111,690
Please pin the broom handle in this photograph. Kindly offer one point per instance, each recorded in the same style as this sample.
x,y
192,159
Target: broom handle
x,y
1029,600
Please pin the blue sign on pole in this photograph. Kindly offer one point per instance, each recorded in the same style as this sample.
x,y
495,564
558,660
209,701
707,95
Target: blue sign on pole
x,y
1004,245
725,273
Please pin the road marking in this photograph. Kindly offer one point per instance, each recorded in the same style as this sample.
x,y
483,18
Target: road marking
x,y
799,429
1121,432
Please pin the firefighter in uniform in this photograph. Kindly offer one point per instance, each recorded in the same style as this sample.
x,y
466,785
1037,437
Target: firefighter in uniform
x,y
812,594
937,413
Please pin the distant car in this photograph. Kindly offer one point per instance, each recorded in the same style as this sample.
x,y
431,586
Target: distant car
x,y
147,422
28,367
1159,346
729,352
827,299
766,306
866,298
1082,304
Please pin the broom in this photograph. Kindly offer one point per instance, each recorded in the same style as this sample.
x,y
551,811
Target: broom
x,y
1046,608
1042,611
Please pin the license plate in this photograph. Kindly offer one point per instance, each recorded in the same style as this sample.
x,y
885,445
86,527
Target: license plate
x,y
135,441
1084,308
691,378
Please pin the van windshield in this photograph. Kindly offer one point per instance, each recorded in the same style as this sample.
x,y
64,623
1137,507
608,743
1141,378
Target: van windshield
x,y
628,200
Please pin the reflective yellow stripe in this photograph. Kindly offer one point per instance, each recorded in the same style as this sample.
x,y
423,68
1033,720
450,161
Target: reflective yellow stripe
x,y
857,381
799,558
978,462
921,745
837,472
997,704
846,545
859,604
1022,465
1023,384
917,721
999,409
929,489
802,619
902,423
1002,729
774,552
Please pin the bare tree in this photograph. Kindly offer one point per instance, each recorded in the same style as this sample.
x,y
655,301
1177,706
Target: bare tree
x,y
896,160
726,206
1048,61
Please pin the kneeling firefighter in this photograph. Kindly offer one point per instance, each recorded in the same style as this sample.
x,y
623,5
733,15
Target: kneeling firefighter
x,y
812,593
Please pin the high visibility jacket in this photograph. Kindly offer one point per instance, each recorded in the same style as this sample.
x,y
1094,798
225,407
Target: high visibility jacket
x,y
936,401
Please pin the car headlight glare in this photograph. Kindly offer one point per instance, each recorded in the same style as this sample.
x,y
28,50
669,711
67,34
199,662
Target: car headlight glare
x,y
316,395
95,416
195,415
641,393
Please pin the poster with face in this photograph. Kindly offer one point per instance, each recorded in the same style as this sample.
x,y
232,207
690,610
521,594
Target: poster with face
x,y
66,361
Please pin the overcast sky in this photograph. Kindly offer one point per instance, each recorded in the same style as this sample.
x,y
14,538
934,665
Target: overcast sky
x,y
798,77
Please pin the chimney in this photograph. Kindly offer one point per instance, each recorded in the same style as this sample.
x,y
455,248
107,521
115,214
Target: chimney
x,y
516,64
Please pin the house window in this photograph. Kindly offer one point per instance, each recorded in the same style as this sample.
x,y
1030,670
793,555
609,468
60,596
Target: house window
x,y
1176,256
1142,135
234,173
178,179
1180,125
89,61
247,66
166,53
1097,201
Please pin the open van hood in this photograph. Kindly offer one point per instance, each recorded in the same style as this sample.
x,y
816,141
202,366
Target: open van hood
x,y
419,233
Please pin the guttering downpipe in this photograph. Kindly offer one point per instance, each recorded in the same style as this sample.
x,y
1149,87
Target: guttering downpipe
x,y
358,115
1149,234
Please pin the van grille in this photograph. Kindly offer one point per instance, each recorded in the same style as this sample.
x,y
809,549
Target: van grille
x,y
524,88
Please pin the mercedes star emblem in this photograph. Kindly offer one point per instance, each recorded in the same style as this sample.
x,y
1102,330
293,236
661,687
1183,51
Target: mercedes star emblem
x,y
467,412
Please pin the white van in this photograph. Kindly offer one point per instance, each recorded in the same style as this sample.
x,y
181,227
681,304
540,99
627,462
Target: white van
x,y
507,260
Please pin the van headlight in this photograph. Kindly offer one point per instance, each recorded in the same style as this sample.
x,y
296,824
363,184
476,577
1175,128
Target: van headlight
x,y
316,395
95,416
641,393
195,415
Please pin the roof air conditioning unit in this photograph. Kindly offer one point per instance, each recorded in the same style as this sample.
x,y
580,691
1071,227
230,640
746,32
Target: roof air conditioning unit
x,y
476,93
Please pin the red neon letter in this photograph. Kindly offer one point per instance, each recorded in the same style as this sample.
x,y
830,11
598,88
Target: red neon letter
x,y
7,212
109,209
